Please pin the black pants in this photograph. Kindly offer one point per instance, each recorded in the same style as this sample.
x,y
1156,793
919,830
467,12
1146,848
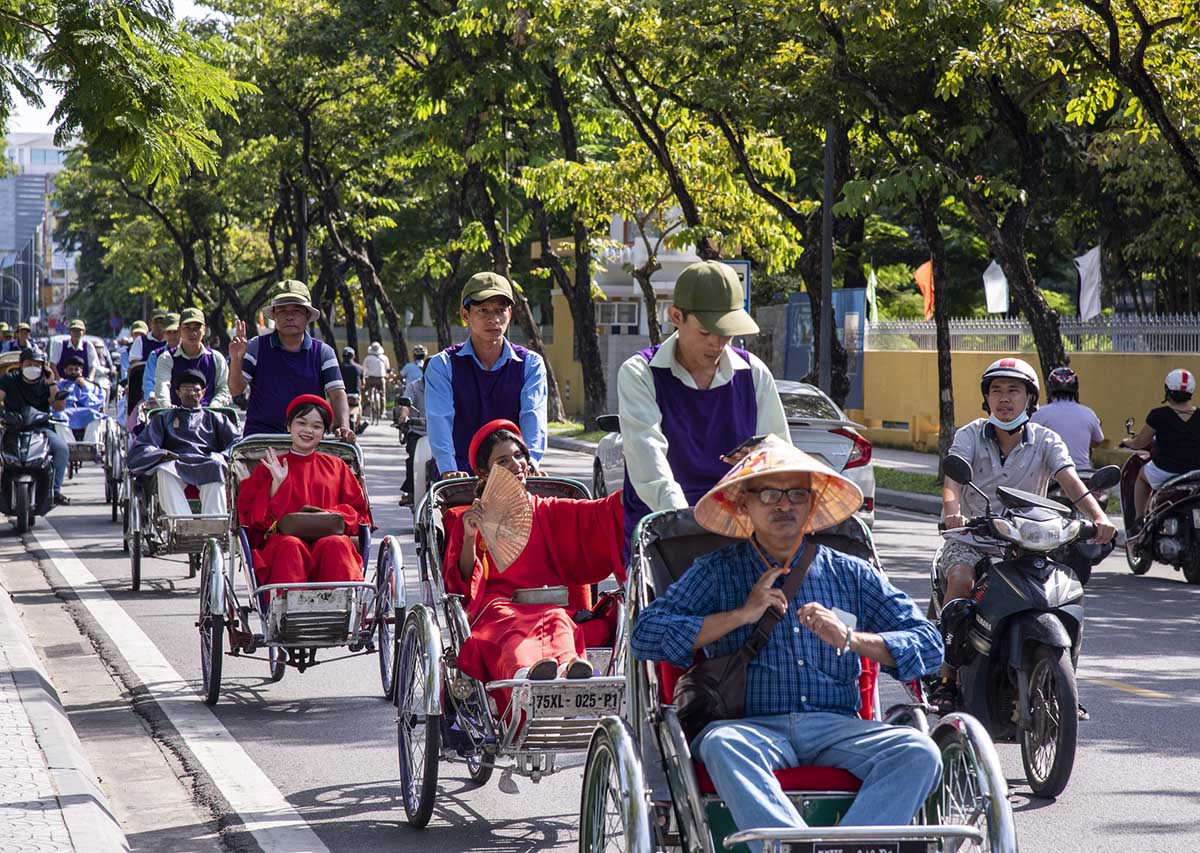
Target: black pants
x,y
410,445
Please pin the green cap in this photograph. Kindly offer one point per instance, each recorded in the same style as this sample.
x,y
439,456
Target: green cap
x,y
78,324
160,314
139,326
171,323
24,327
292,292
485,285
4,327
710,290
191,315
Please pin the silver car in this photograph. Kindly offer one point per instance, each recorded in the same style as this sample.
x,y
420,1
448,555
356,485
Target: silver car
x,y
817,425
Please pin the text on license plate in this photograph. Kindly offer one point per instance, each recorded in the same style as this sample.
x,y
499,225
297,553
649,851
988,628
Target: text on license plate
x,y
581,703
858,847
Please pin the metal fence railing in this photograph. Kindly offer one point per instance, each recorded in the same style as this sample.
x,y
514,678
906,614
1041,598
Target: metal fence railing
x,y
1153,333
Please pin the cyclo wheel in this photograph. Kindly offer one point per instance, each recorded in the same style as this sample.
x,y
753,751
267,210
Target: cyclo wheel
x,y
1048,743
385,620
973,791
278,663
136,544
212,635
609,820
418,733
116,500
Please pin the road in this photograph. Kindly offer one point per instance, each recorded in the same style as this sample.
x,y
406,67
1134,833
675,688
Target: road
x,y
310,762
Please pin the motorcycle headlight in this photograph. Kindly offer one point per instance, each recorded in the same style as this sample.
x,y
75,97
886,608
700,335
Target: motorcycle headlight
x,y
1045,535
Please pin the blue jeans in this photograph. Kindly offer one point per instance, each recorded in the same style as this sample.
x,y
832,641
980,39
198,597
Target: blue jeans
x,y
899,767
61,454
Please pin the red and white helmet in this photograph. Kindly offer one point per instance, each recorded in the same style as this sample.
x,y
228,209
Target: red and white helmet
x,y
1012,368
1181,380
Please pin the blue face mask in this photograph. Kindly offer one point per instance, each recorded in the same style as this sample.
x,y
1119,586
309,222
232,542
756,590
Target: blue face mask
x,y
1009,426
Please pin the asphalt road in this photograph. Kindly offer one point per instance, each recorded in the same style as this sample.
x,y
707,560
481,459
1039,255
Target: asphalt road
x,y
325,739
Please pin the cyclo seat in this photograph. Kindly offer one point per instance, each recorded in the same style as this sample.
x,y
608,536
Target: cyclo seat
x,y
671,553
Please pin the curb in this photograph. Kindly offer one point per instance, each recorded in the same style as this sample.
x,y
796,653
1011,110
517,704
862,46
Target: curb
x,y
85,809
574,445
924,504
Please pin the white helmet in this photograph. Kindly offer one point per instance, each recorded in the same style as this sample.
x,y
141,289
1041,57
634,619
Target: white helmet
x,y
1181,380
376,347
1011,368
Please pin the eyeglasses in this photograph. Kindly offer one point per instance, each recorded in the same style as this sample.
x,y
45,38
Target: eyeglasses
x,y
770,497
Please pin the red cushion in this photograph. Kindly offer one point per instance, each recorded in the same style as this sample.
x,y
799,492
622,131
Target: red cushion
x,y
192,493
797,779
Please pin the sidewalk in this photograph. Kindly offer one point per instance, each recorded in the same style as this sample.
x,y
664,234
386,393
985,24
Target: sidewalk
x,y
49,796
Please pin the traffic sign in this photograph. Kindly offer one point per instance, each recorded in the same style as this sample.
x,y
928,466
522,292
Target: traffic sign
x,y
742,268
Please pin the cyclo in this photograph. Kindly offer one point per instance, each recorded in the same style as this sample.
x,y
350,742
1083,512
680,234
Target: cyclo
x,y
290,620
618,812
442,712
151,532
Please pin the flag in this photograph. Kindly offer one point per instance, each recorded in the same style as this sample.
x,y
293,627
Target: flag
x,y
924,278
872,304
995,288
1088,265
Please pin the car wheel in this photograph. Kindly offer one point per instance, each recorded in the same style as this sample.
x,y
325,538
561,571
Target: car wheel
x,y
599,487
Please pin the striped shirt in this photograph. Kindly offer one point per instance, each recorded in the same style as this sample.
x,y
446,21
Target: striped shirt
x,y
331,368
796,671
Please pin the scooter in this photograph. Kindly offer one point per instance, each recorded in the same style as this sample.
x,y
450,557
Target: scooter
x,y
1081,556
28,476
1015,639
1170,533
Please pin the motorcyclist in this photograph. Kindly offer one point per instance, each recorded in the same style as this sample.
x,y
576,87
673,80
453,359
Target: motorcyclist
x,y
412,417
415,369
352,375
1004,449
33,388
1175,431
1075,423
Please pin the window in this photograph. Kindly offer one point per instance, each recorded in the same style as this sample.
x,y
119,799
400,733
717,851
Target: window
x,y
47,157
618,313
801,406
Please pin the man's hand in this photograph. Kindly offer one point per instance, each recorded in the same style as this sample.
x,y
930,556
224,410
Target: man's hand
x,y
81,381
1105,531
237,346
456,475
763,595
955,520
824,623
344,433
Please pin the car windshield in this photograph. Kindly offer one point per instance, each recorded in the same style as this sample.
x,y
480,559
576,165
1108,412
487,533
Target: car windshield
x,y
806,406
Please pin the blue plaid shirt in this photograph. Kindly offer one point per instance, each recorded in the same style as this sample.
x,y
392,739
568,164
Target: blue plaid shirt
x,y
796,671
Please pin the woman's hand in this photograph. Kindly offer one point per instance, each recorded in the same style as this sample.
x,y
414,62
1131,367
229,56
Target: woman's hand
x,y
472,520
278,468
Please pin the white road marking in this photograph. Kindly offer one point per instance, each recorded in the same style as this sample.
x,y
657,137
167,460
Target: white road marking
x,y
277,827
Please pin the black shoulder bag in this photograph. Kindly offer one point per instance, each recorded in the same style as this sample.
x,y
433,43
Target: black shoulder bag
x,y
715,689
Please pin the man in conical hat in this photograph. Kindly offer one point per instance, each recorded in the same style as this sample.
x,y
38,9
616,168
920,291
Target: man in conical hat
x,y
802,694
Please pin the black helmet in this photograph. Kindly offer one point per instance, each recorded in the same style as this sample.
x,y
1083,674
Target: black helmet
x,y
1062,380
418,352
955,624
32,354
349,353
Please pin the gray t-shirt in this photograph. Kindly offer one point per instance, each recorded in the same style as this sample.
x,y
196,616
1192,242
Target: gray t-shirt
x,y
1075,424
1040,455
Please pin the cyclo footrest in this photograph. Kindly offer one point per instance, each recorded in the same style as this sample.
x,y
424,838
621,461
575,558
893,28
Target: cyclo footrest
x,y
857,839
311,617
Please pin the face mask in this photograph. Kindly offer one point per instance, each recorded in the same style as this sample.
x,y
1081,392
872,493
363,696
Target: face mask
x,y
31,373
1009,426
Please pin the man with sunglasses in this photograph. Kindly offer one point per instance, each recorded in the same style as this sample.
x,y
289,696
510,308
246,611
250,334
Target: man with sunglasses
x,y
486,378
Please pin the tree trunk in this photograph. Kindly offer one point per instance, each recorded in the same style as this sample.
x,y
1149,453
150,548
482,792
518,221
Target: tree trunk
x,y
941,321
642,276
439,307
347,300
371,317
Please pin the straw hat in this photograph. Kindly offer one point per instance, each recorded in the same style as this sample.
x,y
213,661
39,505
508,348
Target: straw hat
x,y
835,498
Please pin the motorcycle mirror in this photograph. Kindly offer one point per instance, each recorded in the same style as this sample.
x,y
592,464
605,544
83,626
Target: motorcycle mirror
x,y
957,469
1129,425
609,423
1105,478
404,401
62,395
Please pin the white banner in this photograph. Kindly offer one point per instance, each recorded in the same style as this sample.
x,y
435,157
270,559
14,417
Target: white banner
x,y
1089,283
995,288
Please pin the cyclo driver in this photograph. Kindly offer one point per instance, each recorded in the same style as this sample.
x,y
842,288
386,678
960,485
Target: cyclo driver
x,y
1004,449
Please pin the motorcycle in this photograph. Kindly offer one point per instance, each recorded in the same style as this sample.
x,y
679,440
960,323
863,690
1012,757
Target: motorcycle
x,y
26,484
1015,639
1081,556
1170,532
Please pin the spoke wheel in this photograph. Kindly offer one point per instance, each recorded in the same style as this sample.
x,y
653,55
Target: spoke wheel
x,y
604,817
385,619
212,627
418,733
136,545
278,662
1048,743
116,500
961,801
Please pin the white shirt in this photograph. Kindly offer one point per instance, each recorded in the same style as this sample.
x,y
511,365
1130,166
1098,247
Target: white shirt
x,y
644,444
376,366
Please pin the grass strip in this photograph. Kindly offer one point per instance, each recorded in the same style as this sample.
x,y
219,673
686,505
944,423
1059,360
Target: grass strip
x,y
907,481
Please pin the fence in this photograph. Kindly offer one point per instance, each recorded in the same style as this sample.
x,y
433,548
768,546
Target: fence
x,y
1150,333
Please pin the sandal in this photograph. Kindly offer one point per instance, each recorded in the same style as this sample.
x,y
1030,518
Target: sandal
x,y
944,696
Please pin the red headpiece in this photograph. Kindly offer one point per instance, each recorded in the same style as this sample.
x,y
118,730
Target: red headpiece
x,y
486,430
319,402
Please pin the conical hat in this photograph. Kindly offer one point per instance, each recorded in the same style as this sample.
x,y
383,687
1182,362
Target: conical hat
x,y
507,517
835,498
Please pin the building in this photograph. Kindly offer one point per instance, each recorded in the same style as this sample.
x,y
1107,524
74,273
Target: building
x,y
36,274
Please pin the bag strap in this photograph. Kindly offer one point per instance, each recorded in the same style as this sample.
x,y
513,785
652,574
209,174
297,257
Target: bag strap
x,y
767,622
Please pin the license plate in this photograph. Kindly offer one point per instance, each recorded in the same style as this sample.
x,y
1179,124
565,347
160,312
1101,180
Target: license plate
x,y
1196,518
859,847
576,702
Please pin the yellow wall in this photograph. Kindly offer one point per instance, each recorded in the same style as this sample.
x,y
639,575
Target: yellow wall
x,y
902,387
561,355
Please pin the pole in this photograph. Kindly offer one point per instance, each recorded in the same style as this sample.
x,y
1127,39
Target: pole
x,y
826,343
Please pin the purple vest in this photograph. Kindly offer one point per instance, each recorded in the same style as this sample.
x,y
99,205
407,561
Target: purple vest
x,y
82,353
699,426
483,395
203,362
150,345
280,377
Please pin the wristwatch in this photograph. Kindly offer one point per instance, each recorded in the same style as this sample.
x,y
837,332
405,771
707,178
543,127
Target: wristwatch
x,y
845,649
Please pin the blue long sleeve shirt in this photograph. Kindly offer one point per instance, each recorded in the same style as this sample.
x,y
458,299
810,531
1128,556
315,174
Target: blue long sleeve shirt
x,y
796,671
439,403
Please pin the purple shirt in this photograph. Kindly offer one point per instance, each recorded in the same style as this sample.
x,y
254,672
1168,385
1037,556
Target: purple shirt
x,y
1076,424
276,377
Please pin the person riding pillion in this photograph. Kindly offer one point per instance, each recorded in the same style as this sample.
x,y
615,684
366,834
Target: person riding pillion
x,y
1004,449
192,354
1175,431
694,397
1075,423
287,363
484,379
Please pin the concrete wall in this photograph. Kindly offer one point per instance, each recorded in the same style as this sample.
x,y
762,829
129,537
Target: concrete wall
x,y
900,391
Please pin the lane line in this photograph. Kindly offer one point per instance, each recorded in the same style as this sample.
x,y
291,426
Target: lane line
x,y
276,826
1127,688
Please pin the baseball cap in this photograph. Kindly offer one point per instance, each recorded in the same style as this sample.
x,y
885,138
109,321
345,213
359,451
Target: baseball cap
x,y
139,326
4,327
485,285
711,291
172,323
78,324
24,327
191,315
160,314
